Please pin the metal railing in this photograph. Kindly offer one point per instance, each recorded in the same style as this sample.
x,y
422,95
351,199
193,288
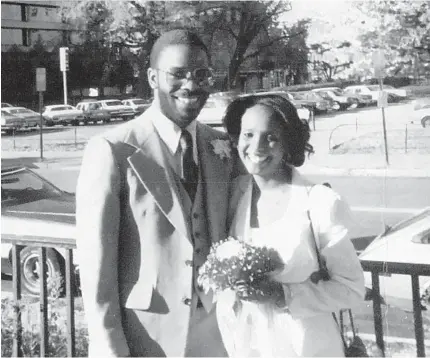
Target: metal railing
x,y
414,271
18,242
375,267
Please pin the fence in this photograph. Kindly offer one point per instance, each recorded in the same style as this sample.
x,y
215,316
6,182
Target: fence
x,y
375,267
365,138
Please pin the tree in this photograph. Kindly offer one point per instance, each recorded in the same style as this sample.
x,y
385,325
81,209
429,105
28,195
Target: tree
x,y
401,29
239,31
329,61
230,29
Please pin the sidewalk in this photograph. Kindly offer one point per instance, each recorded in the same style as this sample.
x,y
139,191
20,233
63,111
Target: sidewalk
x,y
321,162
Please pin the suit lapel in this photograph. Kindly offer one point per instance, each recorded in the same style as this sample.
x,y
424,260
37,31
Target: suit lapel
x,y
214,184
155,174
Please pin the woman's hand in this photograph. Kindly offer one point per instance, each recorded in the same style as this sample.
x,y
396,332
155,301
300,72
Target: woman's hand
x,y
264,291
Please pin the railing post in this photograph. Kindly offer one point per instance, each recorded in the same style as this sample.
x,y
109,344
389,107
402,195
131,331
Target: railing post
x,y
43,302
70,292
377,312
16,288
418,319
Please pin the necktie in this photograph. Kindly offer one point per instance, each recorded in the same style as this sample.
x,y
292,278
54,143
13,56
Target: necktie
x,y
189,174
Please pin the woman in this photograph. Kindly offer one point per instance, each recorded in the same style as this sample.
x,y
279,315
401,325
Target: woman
x,y
270,207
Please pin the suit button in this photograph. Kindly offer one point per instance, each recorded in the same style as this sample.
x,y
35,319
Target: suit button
x,y
198,251
189,262
196,235
187,301
195,216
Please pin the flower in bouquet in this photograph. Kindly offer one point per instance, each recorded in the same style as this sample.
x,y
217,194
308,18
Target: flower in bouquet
x,y
232,263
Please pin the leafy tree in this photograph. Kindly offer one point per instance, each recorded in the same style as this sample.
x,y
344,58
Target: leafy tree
x,y
329,61
231,29
402,30
240,31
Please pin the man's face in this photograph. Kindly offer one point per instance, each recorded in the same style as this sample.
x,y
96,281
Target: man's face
x,y
180,99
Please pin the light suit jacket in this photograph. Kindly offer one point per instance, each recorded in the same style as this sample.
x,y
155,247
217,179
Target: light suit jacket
x,y
135,246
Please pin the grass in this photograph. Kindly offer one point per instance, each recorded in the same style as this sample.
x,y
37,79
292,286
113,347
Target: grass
x,y
418,141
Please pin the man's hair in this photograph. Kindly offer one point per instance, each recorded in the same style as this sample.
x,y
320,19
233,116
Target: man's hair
x,y
175,37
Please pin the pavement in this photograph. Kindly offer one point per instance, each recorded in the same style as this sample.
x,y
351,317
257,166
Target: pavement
x,y
323,162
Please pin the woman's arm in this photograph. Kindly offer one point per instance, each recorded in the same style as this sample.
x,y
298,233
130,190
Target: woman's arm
x,y
331,218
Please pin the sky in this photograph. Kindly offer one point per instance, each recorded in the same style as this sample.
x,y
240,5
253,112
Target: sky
x,y
331,19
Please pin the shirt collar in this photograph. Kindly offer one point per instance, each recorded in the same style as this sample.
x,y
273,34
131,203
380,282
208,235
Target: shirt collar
x,y
170,132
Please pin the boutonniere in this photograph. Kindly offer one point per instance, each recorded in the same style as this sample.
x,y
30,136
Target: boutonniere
x,y
222,148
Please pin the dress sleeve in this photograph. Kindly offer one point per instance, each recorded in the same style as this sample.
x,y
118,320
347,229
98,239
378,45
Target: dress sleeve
x,y
332,220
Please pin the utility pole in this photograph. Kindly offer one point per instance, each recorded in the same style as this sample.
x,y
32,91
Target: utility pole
x,y
64,67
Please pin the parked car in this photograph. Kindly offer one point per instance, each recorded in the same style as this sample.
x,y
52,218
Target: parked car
x,y
213,110
421,113
406,242
62,114
373,90
304,112
31,118
363,100
5,105
31,206
93,112
322,105
343,100
10,123
117,109
137,104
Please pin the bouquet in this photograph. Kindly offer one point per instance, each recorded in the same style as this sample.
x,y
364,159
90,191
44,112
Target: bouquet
x,y
233,264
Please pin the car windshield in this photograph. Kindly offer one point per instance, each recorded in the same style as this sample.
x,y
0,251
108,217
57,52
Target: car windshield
x,y
425,215
113,103
21,110
138,101
24,186
61,108
297,95
7,115
337,92
373,88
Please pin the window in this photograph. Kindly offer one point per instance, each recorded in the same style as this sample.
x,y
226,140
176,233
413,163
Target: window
x,y
11,36
10,12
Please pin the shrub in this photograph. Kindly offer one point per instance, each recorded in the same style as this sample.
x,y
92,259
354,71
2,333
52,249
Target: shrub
x,y
57,328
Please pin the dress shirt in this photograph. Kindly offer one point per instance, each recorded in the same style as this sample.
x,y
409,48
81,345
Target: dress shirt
x,y
170,134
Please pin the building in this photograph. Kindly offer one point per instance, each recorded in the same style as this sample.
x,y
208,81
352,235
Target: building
x,y
24,23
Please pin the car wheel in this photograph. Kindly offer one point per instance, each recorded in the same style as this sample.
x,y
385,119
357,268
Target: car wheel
x,y
426,122
49,123
8,131
107,120
75,122
336,106
30,270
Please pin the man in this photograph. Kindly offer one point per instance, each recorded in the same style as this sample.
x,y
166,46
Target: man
x,y
151,198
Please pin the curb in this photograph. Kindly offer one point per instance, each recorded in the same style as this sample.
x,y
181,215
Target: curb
x,y
366,172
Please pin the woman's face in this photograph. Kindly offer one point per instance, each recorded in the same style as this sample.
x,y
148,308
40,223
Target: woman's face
x,y
261,147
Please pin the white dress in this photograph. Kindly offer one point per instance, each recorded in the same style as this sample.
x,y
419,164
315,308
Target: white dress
x,y
307,328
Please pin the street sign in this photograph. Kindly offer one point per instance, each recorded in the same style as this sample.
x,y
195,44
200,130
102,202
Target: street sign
x,y
40,79
64,59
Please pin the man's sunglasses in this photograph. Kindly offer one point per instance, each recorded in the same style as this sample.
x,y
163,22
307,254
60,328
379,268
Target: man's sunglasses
x,y
200,75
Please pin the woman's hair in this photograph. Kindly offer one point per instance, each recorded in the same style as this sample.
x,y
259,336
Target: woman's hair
x,y
296,132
